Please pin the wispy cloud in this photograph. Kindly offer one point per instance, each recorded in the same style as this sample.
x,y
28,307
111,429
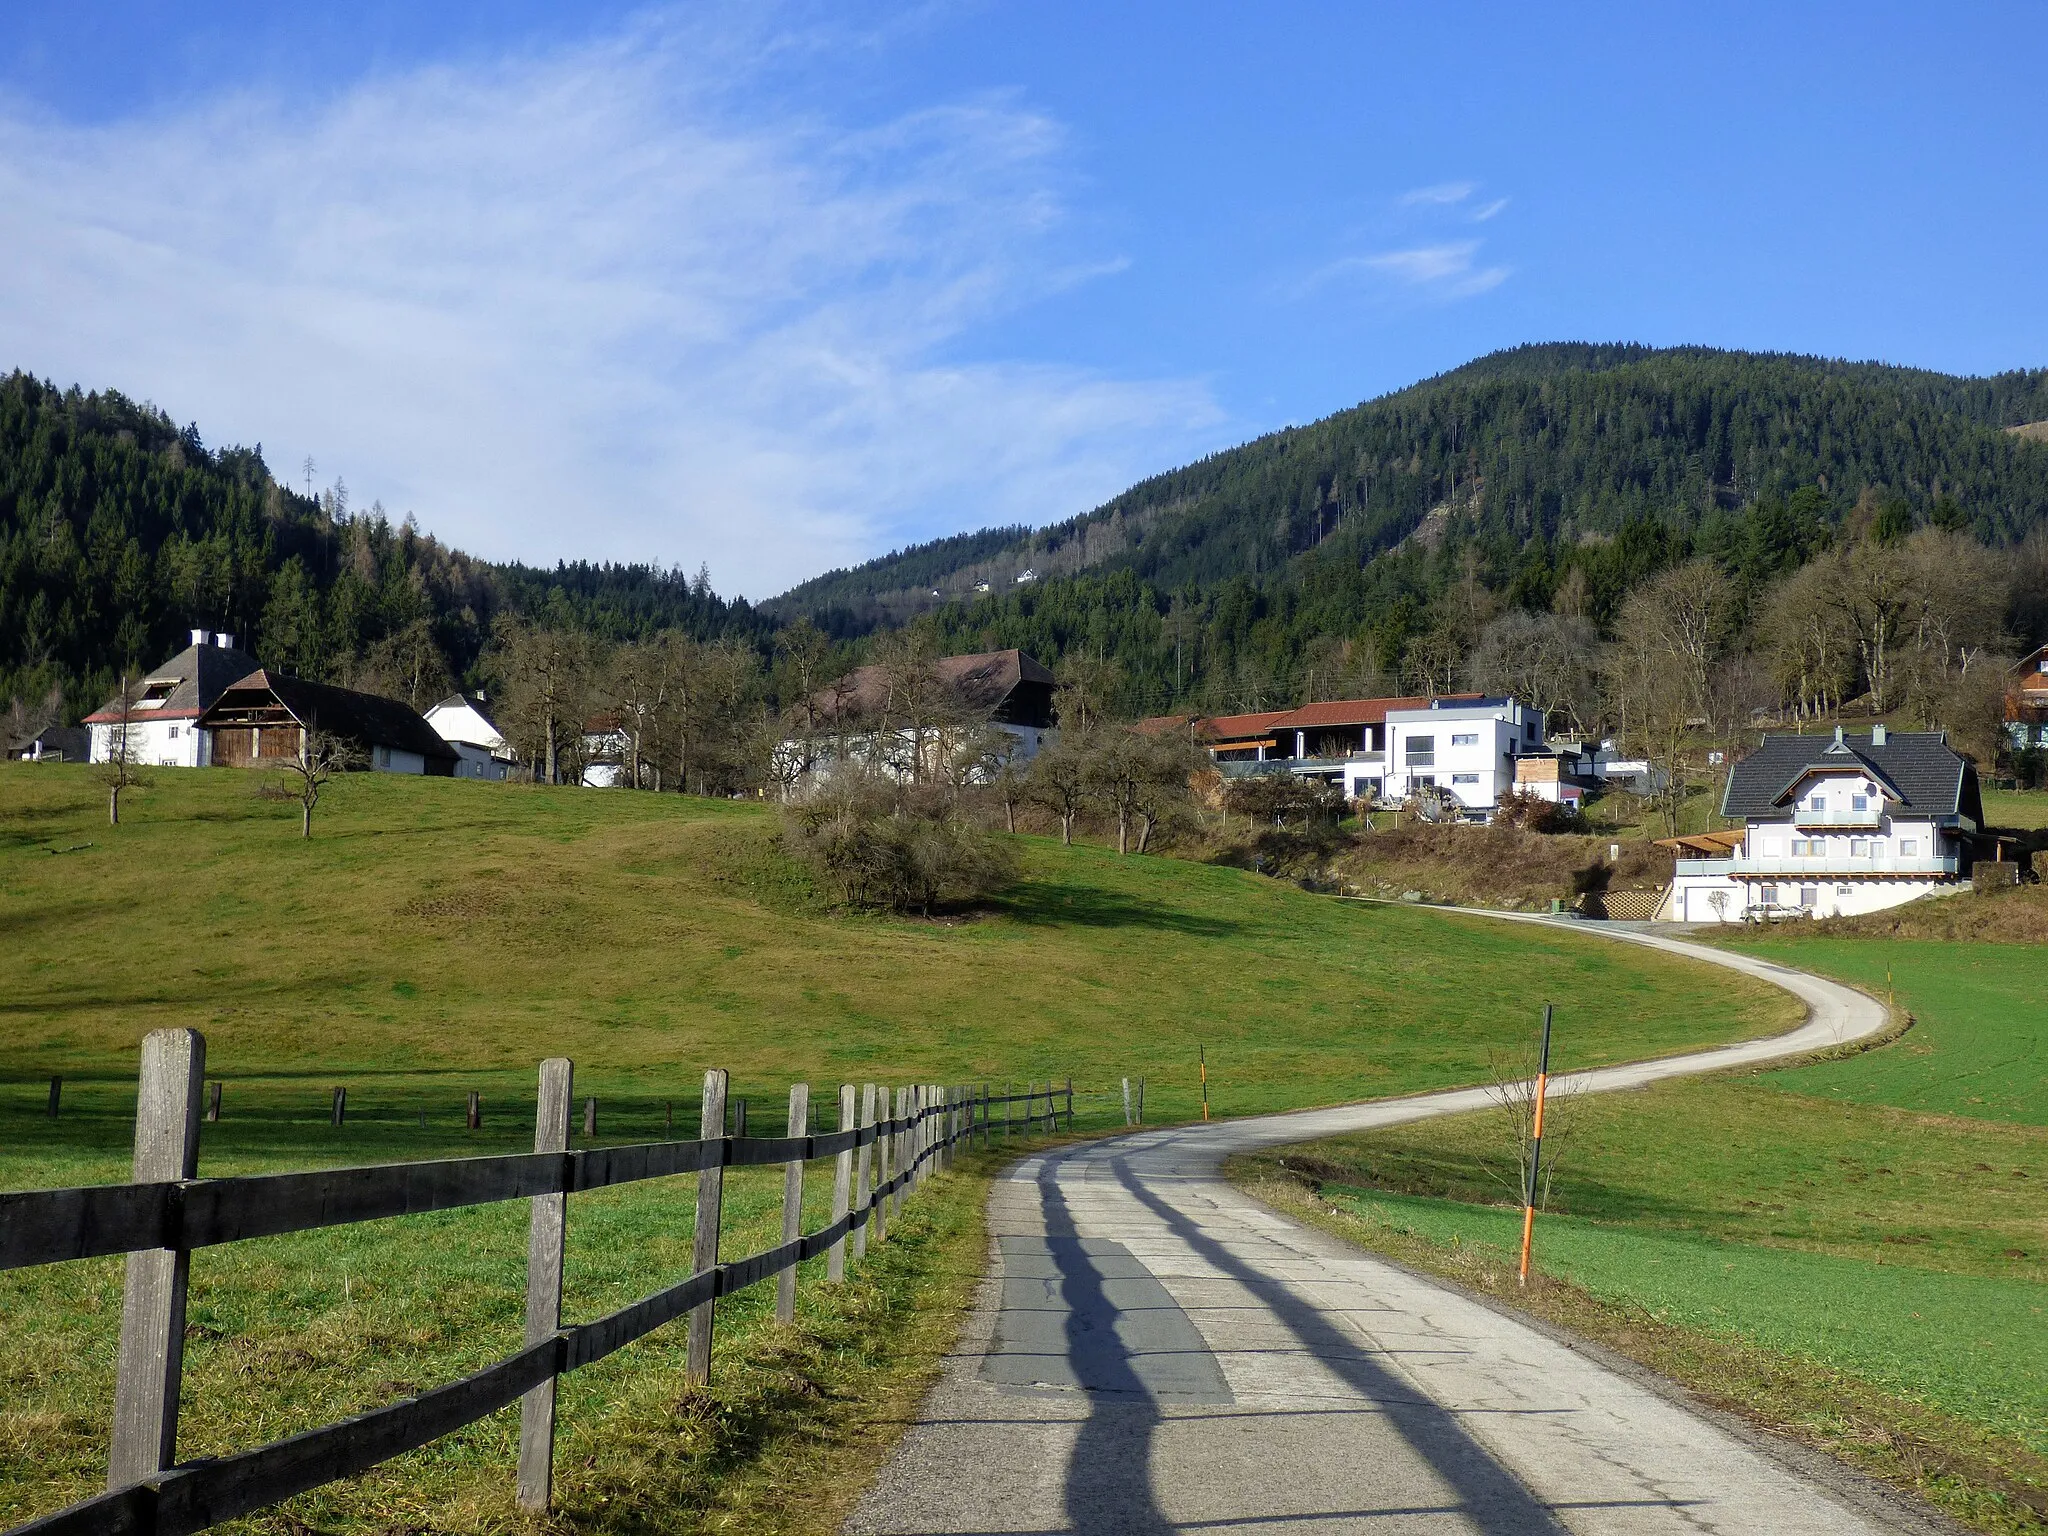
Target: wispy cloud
x,y
1481,215
1442,193
590,303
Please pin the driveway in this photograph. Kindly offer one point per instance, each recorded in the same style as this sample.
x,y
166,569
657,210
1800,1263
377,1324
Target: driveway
x,y
1155,1352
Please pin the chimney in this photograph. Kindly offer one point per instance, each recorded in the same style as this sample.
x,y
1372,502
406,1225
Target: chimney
x,y
200,637
224,640
1878,735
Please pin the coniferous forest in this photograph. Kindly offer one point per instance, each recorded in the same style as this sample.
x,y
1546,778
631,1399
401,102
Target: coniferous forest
x,y
1373,548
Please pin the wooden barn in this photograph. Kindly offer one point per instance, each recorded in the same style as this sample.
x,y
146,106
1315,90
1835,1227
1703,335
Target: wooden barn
x,y
264,716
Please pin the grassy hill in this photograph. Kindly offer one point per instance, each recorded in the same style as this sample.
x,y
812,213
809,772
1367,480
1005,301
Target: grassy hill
x,y
437,936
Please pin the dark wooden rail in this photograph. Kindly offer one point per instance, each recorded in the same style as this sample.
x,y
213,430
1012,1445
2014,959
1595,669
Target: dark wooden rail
x,y
167,1212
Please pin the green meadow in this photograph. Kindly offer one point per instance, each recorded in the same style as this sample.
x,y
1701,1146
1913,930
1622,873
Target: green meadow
x,y
1879,1221
437,937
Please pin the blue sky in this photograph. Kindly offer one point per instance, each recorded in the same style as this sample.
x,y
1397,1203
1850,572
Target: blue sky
x,y
777,288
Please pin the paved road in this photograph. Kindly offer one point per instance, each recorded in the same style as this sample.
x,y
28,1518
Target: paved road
x,y
1155,1352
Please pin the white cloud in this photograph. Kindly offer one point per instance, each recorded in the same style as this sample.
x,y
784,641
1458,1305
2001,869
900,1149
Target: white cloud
x,y
1481,215
588,304
1441,193
1447,270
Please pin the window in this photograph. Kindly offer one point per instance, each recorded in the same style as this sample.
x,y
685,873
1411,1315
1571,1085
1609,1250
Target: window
x,y
1420,751
174,733
1464,738
1803,848
1859,847
1809,896
1859,802
1464,778
1529,729
1909,847
1845,890
1767,894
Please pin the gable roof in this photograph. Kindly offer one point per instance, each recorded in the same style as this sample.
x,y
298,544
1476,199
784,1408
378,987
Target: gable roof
x,y
198,675
983,681
1927,775
363,718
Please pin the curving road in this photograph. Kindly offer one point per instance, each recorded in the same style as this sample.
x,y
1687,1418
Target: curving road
x,y
1157,1352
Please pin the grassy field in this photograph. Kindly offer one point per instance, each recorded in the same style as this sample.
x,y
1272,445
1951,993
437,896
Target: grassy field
x,y
435,937
1879,1221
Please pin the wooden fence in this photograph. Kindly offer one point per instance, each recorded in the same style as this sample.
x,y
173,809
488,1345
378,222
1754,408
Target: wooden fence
x,y
879,1153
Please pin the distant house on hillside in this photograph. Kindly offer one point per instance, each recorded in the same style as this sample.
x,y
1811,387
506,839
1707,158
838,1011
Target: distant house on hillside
x,y
857,716
163,725
1459,749
2026,700
57,744
266,715
1834,827
464,722
605,750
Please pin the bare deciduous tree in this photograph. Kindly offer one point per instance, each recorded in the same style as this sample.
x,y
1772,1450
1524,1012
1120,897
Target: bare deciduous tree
x,y
545,694
1058,779
322,757
1545,659
122,768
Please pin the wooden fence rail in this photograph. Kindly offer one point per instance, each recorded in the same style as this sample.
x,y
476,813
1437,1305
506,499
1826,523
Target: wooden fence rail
x,y
168,1211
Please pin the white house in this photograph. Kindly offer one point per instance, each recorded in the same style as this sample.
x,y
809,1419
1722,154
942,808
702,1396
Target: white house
x,y
1835,828
163,724
481,750
1465,748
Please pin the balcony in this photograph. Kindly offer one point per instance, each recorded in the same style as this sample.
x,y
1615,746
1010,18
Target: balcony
x,y
1805,817
1927,866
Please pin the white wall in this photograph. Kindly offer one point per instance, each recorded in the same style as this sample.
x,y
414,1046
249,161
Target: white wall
x,y
1472,750
461,723
154,743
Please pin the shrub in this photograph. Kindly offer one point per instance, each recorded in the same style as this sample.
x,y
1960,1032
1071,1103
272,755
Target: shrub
x,y
1533,813
882,845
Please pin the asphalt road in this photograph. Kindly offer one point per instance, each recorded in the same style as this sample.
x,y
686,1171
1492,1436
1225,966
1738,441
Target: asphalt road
x,y
1156,1352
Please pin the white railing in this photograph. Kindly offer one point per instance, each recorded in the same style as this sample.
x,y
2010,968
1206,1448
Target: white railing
x,y
1804,817
1839,864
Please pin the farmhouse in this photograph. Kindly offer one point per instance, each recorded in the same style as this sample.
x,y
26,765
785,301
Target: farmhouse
x,y
868,717
481,750
163,725
55,744
1833,828
265,716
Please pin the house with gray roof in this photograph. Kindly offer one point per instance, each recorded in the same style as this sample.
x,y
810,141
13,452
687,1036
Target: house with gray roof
x,y
1836,827
160,726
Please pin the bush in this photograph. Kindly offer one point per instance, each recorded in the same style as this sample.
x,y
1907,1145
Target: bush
x,y
881,845
1284,799
1533,813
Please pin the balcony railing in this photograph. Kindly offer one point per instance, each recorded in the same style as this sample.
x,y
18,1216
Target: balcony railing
x,y
1840,864
1807,817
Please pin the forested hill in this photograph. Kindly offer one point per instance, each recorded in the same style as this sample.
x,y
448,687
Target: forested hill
x,y
1526,449
119,532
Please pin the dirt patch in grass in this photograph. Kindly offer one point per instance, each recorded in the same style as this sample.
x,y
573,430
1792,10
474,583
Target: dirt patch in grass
x,y
1986,1481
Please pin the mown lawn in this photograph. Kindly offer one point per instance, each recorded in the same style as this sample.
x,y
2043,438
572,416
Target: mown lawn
x,y
1880,1221
436,937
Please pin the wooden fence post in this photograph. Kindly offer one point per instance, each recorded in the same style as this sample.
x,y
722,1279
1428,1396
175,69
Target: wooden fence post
x,y
793,1199
842,1189
863,1170
547,1226
152,1359
56,1093
899,1152
590,1118
1070,1106
1127,1101
885,1162
340,1105
704,1250
474,1115
1009,1111
1141,1101
213,1101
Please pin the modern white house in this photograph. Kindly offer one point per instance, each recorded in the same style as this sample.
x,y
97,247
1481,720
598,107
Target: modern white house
x,y
1832,828
1464,748
481,750
163,724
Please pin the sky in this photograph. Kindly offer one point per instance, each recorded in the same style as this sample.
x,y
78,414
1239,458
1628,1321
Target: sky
x,y
777,288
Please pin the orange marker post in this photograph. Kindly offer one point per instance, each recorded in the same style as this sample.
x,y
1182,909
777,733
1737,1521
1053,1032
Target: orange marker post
x,y
1535,1150
1202,1055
